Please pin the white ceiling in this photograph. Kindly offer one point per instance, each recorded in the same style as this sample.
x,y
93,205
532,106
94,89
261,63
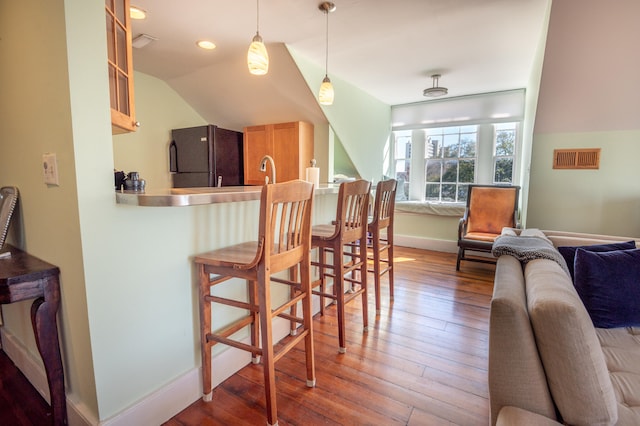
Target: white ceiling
x,y
389,49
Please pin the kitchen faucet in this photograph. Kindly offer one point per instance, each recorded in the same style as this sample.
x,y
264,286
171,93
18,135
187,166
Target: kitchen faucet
x,y
263,168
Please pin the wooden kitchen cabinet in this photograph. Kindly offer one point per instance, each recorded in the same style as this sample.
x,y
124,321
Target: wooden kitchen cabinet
x,y
289,144
120,66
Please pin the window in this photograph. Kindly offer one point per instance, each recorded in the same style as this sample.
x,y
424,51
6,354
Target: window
x,y
402,160
436,165
504,152
450,155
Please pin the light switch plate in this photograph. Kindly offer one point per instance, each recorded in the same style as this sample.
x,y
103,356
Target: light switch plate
x,y
50,168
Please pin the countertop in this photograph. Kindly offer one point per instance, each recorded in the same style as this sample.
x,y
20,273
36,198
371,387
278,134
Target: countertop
x,y
177,197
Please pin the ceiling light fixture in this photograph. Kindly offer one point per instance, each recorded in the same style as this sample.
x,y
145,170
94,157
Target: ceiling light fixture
x,y
326,94
435,91
136,13
257,56
206,44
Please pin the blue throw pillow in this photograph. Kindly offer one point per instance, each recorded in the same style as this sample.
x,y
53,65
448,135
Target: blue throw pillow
x,y
569,252
609,285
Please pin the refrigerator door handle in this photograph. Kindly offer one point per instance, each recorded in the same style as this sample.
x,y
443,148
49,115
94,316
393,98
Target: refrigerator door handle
x,y
173,157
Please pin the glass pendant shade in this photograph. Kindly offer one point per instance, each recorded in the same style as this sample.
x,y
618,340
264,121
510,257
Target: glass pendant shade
x,y
257,57
325,96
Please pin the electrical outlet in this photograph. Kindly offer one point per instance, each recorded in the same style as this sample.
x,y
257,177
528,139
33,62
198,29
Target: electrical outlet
x,y
50,168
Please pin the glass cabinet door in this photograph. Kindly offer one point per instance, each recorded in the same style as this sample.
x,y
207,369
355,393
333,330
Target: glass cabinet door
x,y
120,66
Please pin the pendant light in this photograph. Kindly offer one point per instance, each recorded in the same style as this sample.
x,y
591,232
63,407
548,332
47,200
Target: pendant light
x,y
435,90
325,96
257,56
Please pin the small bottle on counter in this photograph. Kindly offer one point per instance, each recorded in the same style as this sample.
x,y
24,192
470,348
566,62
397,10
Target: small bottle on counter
x,y
134,183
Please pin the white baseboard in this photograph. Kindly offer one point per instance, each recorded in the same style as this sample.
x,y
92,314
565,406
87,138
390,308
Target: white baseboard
x,y
32,368
174,397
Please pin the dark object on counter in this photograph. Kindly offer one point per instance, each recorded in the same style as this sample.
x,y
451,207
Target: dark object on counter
x,y
206,156
119,177
134,183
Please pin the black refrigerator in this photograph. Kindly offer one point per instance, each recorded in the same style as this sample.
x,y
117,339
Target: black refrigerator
x,y
205,156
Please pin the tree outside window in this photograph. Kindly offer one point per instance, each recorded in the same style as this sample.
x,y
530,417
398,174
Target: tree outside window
x,y
450,163
449,159
504,152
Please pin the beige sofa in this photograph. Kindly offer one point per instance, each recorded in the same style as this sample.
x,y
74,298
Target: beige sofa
x,y
547,362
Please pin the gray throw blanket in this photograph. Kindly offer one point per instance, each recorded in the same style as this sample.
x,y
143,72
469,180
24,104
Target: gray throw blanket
x,y
527,248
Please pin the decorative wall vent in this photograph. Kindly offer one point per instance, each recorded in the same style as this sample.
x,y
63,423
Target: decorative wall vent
x,y
588,158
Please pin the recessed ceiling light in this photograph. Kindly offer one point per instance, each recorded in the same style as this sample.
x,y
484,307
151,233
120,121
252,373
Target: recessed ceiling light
x,y
206,44
136,13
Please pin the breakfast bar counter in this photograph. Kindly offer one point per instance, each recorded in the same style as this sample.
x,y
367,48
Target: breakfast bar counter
x,y
176,197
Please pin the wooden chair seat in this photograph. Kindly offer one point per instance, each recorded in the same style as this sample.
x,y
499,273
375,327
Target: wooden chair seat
x,y
284,243
237,256
326,232
481,236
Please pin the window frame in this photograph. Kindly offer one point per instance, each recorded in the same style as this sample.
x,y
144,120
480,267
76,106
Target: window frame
x,y
514,156
485,160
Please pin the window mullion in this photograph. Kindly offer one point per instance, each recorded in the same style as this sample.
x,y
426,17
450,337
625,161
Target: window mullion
x,y
484,165
417,175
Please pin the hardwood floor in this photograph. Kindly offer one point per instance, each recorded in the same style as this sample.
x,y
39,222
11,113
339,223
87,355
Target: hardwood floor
x,y
20,403
422,362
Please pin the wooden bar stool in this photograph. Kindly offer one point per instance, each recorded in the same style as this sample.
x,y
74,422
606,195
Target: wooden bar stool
x,y
379,243
284,242
349,230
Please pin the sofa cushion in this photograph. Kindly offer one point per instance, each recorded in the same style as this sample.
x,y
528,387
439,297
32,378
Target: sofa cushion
x,y
511,416
621,349
516,375
569,252
609,285
569,348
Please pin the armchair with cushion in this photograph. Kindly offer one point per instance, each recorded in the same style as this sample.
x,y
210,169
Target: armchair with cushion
x,y
489,209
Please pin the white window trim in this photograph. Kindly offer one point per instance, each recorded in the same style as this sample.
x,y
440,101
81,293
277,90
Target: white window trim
x,y
484,171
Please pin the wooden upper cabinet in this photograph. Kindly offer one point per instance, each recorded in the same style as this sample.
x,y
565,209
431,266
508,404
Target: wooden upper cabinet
x,y
120,66
289,144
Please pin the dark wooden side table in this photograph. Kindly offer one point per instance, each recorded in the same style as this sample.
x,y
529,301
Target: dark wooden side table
x,y
24,277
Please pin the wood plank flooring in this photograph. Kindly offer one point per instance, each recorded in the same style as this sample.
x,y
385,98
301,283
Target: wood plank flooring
x,y
422,362
20,402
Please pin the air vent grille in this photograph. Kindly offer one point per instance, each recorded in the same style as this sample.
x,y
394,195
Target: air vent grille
x,y
576,158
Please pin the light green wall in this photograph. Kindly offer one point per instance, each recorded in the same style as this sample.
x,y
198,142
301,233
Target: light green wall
x,y
361,122
36,114
127,322
428,227
158,109
604,201
531,102
572,115
142,306
342,164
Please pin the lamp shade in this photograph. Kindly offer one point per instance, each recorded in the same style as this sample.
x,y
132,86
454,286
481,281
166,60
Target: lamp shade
x,y
325,96
257,57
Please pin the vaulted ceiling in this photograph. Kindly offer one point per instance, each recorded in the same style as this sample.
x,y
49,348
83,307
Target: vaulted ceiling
x,y
389,49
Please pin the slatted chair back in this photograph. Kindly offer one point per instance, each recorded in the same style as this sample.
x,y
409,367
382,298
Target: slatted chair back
x,y
285,223
352,210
